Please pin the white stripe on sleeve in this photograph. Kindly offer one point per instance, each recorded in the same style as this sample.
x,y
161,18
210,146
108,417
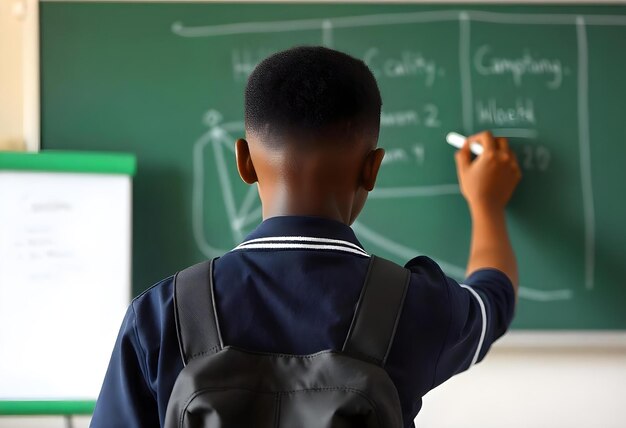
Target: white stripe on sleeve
x,y
483,313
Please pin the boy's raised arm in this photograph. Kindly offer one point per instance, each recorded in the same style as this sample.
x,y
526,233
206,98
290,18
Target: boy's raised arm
x,y
487,184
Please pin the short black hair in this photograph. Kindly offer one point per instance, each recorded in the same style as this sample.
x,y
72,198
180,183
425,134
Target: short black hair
x,y
312,90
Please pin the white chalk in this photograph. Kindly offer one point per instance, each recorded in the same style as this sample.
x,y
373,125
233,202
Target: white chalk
x,y
457,140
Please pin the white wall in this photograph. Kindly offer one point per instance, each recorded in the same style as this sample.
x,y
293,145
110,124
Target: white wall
x,y
514,387
11,100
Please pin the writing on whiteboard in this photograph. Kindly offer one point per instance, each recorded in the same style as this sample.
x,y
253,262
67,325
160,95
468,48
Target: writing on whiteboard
x,y
535,157
427,115
407,64
490,112
488,64
395,155
245,60
516,66
399,118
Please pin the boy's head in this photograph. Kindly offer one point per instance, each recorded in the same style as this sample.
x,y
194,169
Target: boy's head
x,y
312,118
312,92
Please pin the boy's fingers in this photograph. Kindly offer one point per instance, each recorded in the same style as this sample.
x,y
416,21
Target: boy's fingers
x,y
488,142
503,148
485,139
463,156
503,143
515,166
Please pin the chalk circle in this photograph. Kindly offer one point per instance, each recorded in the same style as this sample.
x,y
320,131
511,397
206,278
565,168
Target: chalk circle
x,y
177,27
212,118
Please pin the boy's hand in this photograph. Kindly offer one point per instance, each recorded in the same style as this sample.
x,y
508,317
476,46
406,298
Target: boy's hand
x,y
489,180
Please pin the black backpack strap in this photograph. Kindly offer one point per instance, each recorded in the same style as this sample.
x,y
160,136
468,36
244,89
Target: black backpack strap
x,y
378,311
197,325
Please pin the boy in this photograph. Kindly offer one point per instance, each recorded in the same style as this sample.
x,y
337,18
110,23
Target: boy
x,y
312,120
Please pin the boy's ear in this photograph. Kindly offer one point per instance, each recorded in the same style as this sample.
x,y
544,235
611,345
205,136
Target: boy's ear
x,y
371,167
244,162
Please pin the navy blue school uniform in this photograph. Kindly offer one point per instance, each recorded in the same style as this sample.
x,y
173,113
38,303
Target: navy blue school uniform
x,y
291,287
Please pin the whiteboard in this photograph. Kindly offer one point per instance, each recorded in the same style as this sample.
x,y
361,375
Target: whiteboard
x,y
65,241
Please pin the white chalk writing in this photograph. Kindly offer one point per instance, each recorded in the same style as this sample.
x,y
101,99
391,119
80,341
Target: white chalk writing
x,y
491,113
407,64
401,155
488,64
536,157
244,61
399,118
427,116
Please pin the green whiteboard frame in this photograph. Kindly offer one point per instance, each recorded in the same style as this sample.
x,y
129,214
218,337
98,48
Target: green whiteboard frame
x,y
61,162
73,162
47,407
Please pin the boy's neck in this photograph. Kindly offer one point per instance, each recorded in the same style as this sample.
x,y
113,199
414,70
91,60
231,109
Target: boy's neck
x,y
304,202
330,181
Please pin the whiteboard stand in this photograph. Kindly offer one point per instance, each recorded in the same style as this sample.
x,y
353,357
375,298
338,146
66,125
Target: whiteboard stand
x,y
65,284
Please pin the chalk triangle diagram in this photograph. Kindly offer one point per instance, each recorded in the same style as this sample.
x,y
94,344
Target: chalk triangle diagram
x,y
215,150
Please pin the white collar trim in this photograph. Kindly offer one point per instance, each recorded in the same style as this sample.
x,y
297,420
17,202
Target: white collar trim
x,y
301,242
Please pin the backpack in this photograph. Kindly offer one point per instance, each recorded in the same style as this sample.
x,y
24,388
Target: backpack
x,y
228,387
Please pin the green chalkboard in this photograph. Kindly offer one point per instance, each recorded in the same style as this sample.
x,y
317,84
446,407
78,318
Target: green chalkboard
x,y
165,81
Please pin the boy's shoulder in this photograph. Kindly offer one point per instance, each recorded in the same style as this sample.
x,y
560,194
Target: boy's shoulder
x,y
426,274
161,291
153,311
160,296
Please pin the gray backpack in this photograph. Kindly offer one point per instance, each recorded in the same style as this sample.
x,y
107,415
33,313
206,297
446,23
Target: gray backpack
x,y
227,387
